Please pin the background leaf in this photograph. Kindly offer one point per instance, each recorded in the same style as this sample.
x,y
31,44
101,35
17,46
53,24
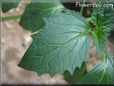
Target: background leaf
x,y
32,18
9,4
62,45
102,74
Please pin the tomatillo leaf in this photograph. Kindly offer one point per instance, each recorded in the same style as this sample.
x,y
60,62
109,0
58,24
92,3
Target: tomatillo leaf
x,y
103,17
102,74
32,18
77,75
100,40
103,20
61,45
9,4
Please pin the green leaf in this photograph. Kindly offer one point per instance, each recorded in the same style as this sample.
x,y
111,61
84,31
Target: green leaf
x,y
102,74
103,20
100,40
103,17
61,45
9,4
77,75
32,18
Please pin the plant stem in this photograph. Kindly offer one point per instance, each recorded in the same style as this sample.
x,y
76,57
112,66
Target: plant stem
x,y
11,17
82,8
88,19
104,57
94,1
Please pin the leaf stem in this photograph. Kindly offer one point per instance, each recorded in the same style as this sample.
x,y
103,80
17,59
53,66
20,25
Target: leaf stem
x,y
11,17
82,8
34,33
